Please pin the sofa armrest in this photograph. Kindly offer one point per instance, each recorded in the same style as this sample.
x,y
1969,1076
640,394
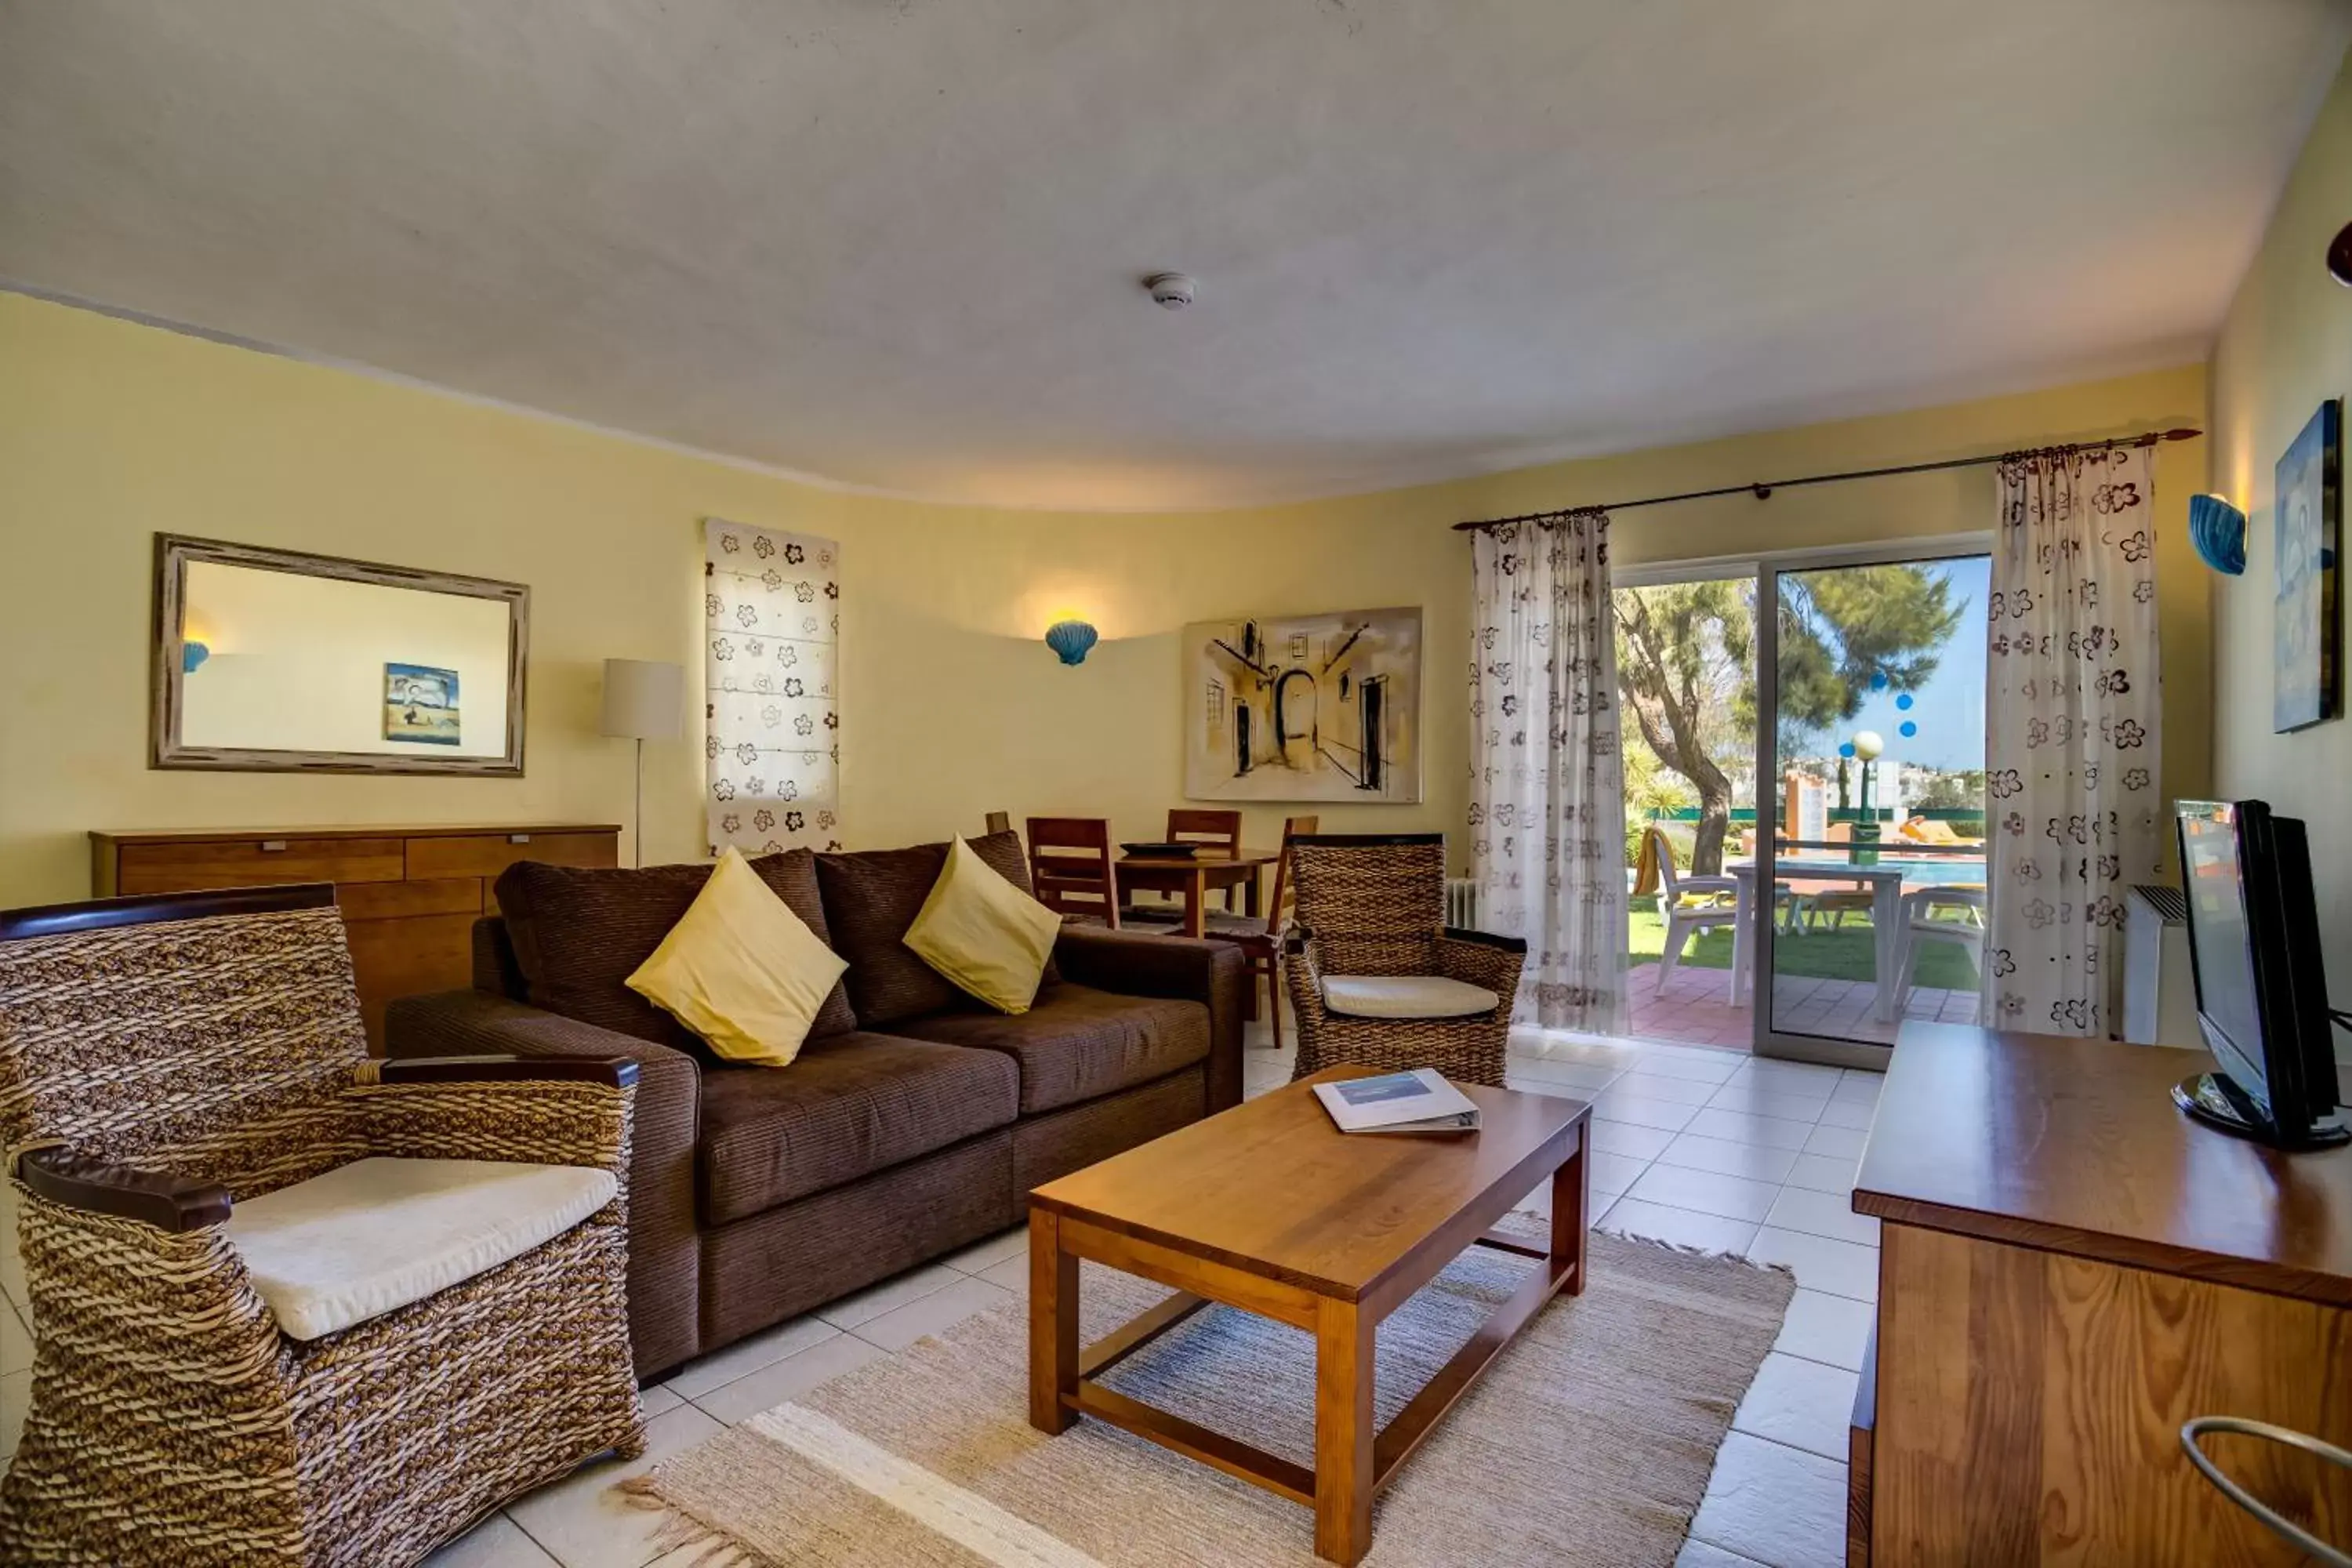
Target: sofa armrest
x,y
1214,974
665,1247
172,1203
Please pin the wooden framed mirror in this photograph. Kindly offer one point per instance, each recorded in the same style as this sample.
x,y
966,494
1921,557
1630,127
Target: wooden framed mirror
x,y
278,661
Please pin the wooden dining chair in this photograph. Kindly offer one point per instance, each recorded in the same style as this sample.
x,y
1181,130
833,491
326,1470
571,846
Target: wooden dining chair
x,y
1211,830
999,822
1260,939
1070,867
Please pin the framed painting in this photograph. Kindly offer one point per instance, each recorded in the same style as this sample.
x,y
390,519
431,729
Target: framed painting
x,y
420,705
2307,522
1303,708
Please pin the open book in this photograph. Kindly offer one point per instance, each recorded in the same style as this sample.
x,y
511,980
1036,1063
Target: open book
x,y
1416,1102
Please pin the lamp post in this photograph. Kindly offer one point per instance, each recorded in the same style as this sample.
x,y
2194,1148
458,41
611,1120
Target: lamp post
x,y
1868,745
643,700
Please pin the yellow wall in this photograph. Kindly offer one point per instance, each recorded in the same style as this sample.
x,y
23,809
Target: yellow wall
x,y
2285,345
110,431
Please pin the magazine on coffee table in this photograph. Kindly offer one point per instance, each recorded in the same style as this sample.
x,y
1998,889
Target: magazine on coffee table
x,y
1416,1102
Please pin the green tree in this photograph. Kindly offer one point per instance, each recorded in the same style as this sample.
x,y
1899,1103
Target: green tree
x,y
1842,627
1963,791
1685,665
1685,657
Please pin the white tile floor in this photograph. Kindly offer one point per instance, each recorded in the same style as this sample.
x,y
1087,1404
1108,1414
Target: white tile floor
x,y
1697,1146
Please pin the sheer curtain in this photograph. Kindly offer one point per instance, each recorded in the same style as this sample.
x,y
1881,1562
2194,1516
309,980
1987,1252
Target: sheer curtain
x,y
2074,769
1547,800
771,615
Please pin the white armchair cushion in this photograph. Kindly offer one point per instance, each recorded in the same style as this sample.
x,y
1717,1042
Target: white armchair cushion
x,y
1406,996
375,1235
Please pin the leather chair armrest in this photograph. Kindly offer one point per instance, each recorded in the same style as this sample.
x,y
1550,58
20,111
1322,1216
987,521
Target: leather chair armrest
x,y
505,1067
1487,939
1478,958
99,1186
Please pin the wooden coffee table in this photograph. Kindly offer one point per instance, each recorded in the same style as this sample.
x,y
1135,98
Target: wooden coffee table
x,y
1270,1208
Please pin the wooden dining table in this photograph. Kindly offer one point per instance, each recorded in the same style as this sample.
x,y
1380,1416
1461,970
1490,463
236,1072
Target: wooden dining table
x,y
1195,876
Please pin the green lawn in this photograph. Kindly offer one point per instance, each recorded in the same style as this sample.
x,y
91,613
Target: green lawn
x,y
1844,953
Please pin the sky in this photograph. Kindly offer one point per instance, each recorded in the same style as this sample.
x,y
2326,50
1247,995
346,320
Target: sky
x,y
1948,706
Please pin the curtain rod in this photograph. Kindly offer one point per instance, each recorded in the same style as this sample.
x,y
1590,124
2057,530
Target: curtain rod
x,y
1763,488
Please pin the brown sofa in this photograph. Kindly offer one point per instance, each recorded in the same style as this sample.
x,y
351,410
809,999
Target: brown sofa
x,y
914,1120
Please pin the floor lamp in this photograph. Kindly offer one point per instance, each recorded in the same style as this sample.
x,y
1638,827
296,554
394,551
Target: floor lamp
x,y
643,702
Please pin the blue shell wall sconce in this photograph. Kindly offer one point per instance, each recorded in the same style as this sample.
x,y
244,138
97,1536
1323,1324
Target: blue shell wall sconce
x,y
2218,530
1070,639
192,654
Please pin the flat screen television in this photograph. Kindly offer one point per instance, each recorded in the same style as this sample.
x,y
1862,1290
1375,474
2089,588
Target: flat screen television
x,y
2262,996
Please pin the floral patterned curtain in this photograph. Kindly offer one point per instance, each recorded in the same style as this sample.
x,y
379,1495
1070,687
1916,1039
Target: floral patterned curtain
x,y
2073,763
1546,800
771,608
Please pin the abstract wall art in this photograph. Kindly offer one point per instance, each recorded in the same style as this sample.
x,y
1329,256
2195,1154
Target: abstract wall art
x,y
1305,708
2306,510
420,704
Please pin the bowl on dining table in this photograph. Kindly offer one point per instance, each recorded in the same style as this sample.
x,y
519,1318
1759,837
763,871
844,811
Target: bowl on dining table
x,y
1161,851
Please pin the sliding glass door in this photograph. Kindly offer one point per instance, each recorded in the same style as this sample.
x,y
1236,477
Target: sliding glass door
x,y
1687,681
1864,901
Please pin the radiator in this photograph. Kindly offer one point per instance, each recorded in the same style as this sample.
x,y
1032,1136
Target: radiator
x,y
1462,902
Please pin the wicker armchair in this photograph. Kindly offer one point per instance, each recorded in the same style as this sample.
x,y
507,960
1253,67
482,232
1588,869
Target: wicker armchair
x,y
1372,905
162,1060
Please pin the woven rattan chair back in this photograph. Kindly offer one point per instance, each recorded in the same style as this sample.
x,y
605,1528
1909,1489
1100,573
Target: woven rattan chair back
x,y
209,1034
1373,902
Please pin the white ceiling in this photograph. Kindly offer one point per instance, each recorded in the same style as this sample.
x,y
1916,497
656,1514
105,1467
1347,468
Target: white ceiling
x,y
897,242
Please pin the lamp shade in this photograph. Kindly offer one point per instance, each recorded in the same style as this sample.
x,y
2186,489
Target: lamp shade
x,y
644,699
1070,640
2218,530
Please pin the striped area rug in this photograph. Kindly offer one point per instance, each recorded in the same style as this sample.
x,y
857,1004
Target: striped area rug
x,y
1589,1441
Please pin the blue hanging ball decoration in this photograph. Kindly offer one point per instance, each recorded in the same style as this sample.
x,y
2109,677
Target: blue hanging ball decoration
x,y
2218,530
192,654
1878,680
1907,729
1846,750
1070,639
1904,702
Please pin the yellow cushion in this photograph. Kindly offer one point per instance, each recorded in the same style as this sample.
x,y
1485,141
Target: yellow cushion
x,y
741,970
987,936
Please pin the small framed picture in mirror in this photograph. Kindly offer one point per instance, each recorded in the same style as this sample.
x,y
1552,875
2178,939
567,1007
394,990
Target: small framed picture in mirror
x,y
278,661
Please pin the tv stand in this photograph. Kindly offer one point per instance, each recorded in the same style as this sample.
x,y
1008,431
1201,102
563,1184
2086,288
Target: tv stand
x,y
2070,1270
2210,1097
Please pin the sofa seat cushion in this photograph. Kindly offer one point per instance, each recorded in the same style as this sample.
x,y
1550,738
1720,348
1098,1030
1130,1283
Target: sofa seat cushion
x,y
375,1235
578,934
1075,1042
871,899
1406,996
847,1107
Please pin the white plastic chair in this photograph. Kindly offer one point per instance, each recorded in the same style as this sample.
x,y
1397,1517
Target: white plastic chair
x,y
1684,922
1966,934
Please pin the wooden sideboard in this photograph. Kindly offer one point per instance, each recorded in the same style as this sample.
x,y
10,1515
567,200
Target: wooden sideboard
x,y
409,895
2070,1270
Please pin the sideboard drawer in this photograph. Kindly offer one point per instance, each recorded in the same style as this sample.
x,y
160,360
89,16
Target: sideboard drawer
x,y
487,854
201,865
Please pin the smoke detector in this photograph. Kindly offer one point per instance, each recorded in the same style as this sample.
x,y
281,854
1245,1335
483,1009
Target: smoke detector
x,y
1169,290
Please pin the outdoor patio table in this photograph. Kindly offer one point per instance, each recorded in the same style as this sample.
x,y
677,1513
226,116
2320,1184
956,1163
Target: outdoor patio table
x,y
1885,882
